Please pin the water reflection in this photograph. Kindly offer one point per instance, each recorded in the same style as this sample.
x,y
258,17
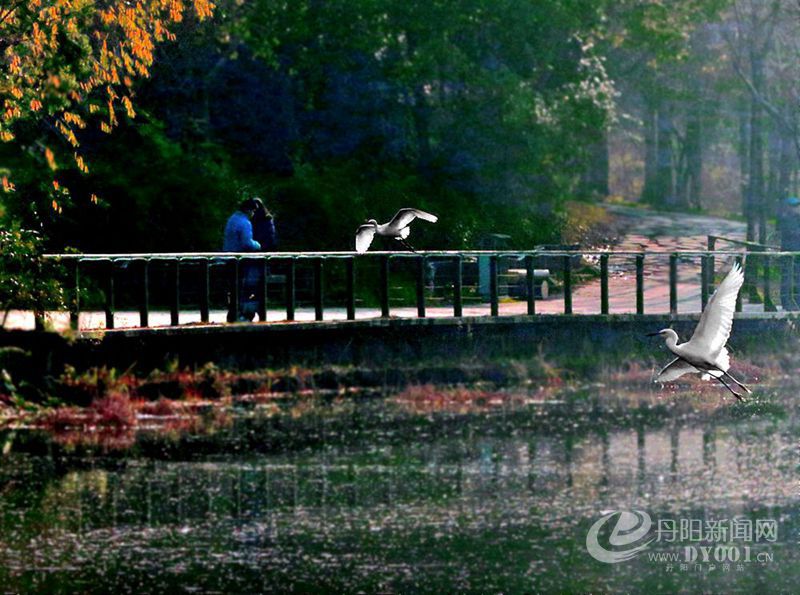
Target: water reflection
x,y
495,502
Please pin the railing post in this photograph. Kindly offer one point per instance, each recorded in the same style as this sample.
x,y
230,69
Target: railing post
x,y
703,281
350,274
234,272
263,289
109,305
604,284
318,289
144,305
291,273
493,290
530,284
640,283
739,295
566,259
750,286
458,309
420,286
769,305
75,298
205,290
175,307
384,285
711,246
673,283
787,281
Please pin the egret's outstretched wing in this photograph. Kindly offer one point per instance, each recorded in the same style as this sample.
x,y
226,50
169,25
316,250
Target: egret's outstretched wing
x,y
714,328
674,370
364,236
406,216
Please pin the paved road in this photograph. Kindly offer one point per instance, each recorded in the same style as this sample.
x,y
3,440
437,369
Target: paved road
x,y
645,230
642,230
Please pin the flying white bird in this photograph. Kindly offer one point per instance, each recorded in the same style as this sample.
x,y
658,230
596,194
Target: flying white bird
x,y
397,228
705,353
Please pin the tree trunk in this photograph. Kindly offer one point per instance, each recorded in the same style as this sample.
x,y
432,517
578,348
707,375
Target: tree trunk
x,y
594,181
694,159
658,166
755,188
650,193
784,167
664,162
744,156
773,165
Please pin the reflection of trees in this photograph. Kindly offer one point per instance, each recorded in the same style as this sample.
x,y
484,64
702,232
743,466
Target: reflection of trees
x,y
558,474
448,495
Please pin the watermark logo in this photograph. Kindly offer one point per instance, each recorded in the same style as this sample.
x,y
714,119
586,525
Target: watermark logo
x,y
705,544
627,539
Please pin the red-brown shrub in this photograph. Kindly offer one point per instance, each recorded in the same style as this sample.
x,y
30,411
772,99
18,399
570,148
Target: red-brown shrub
x,y
115,409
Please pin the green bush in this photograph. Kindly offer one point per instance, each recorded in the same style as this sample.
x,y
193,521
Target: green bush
x,y
27,281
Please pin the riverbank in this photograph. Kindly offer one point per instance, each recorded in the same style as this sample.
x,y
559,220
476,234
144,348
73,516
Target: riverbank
x,y
108,408
378,343
295,420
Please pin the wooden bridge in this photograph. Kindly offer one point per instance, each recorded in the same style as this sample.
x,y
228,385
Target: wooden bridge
x,y
108,291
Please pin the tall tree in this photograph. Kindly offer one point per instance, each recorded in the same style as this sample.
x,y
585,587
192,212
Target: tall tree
x,y
656,60
66,63
501,102
765,50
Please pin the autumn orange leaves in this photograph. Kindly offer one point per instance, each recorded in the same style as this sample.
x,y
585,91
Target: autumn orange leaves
x,y
75,62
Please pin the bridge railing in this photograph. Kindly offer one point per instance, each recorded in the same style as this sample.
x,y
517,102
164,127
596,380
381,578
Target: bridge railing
x,y
158,281
762,257
713,239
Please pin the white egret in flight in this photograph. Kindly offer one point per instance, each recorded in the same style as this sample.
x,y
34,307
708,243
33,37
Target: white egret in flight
x,y
705,353
397,228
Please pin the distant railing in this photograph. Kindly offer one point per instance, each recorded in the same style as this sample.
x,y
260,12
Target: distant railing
x,y
105,271
712,243
763,254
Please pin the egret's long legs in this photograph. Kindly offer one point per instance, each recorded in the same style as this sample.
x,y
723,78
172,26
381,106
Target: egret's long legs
x,y
728,386
744,386
405,243
729,375
722,381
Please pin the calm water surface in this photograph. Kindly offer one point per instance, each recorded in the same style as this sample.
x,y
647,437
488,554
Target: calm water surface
x,y
374,496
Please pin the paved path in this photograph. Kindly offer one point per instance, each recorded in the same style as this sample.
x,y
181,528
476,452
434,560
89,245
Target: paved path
x,y
665,232
642,230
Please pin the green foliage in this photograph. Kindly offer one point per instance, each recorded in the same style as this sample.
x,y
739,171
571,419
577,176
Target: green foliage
x,y
497,101
336,112
27,281
67,65
319,208
168,197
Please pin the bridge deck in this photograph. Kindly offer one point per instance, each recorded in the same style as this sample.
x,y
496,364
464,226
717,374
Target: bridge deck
x,y
586,300
664,264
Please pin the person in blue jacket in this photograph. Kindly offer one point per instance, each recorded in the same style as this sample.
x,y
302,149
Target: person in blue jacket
x,y
239,229
239,238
